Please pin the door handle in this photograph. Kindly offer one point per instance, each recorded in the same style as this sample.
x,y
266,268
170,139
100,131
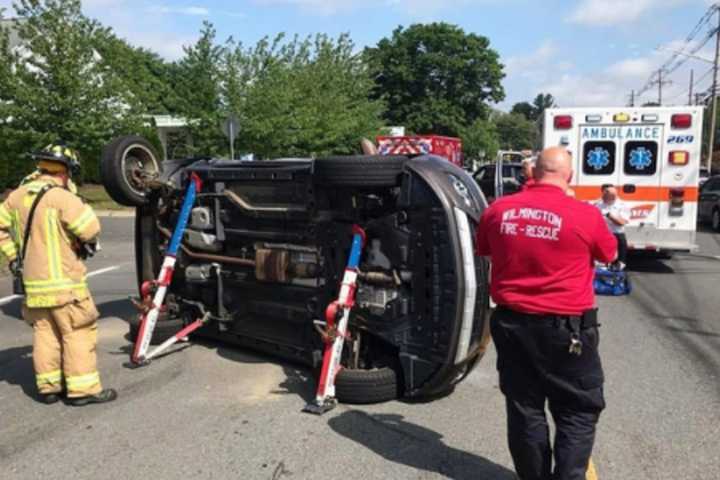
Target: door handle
x,y
628,188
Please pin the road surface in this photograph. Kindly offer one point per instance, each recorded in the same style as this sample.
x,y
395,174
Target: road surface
x,y
215,412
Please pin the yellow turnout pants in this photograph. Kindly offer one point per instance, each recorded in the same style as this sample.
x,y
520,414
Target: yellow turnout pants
x,y
64,348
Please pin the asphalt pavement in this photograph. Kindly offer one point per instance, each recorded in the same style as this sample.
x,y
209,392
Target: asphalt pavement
x,y
210,411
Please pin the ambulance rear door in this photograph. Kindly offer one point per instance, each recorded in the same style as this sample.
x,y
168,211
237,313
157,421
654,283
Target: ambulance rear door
x,y
639,175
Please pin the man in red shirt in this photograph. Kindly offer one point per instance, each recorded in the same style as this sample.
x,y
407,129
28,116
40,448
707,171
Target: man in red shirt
x,y
542,245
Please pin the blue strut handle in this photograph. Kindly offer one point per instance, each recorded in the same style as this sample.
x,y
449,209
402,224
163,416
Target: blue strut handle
x,y
187,205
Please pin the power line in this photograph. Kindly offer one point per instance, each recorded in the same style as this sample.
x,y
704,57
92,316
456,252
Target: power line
x,y
694,85
679,57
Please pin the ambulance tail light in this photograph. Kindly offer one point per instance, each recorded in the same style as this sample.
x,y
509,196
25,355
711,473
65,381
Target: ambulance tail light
x,y
681,121
679,157
563,122
677,201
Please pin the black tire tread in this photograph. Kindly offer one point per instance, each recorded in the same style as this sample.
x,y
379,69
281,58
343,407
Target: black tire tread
x,y
164,329
366,386
360,170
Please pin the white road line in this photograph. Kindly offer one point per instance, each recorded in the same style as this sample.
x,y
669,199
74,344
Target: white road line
x,y
103,270
6,300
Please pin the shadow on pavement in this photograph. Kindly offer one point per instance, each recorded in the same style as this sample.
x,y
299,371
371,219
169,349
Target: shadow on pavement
x,y
13,309
299,379
121,309
399,441
16,368
648,263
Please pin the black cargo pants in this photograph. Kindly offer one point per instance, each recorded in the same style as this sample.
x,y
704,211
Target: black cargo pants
x,y
535,365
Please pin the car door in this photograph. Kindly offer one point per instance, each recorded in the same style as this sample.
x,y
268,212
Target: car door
x,y
485,178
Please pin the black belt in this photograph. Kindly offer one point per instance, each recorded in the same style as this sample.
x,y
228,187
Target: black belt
x,y
588,319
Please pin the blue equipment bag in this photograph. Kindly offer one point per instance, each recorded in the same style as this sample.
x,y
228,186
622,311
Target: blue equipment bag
x,y
611,282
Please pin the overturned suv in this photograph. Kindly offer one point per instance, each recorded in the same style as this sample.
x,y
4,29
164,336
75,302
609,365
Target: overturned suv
x,y
268,241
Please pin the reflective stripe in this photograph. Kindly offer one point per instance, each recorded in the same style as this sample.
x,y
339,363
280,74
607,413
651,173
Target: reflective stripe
x,y
33,301
49,378
55,288
8,249
53,244
79,225
16,229
5,218
81,382
36,186
52,283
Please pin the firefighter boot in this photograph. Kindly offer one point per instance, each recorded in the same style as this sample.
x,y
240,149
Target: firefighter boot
x,y
107,395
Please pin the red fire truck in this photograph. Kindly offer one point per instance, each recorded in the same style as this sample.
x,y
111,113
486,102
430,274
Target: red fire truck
x,y
447,147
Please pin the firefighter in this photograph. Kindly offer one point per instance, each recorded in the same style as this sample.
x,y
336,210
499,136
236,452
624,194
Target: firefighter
x,y
57,304
542,245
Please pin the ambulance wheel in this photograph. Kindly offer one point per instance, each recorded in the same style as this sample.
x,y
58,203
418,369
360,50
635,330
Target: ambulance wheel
x,y
164,329
366,386
716,220
360,170
125,164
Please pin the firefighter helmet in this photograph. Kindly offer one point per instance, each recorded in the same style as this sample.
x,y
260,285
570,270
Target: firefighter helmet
x,y
60,153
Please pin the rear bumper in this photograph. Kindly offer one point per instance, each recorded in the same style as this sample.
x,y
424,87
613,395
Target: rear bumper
x,y
659,239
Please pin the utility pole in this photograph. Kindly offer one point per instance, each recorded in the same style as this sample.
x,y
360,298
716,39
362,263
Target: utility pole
x,y
711,141
631,98
660,84
690,93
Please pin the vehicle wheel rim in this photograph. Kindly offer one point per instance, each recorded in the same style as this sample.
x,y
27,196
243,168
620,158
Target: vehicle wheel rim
x,y
138,162
716,220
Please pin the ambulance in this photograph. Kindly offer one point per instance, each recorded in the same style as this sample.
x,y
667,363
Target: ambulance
x,y
652,156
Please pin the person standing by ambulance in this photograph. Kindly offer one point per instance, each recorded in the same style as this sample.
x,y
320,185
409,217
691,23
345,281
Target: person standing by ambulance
x,y
542,244
616,216
47,251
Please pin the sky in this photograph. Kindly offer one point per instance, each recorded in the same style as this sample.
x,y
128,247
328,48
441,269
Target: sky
x,y
583,52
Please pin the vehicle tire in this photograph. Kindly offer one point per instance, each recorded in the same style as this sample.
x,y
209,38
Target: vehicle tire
x,y
164,328
716,220
123,161
366,386
360,170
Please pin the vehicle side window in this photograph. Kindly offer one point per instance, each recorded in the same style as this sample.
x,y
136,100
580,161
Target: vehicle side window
x,y
711,185
599,158
640,158
485,173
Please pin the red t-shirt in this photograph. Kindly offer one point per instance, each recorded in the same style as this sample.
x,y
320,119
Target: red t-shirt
x,y
542,245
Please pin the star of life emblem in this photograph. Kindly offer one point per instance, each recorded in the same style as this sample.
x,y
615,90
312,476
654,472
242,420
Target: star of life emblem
x,y
640,158
598,158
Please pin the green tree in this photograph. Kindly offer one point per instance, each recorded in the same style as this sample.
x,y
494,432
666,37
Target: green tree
x,y
57,86
481,136
143,73
436,78
542,102
526,109
197,86
307,97
516,132
535,110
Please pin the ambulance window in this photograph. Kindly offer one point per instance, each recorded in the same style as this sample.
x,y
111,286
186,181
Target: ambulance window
x,y
640,158
599,158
